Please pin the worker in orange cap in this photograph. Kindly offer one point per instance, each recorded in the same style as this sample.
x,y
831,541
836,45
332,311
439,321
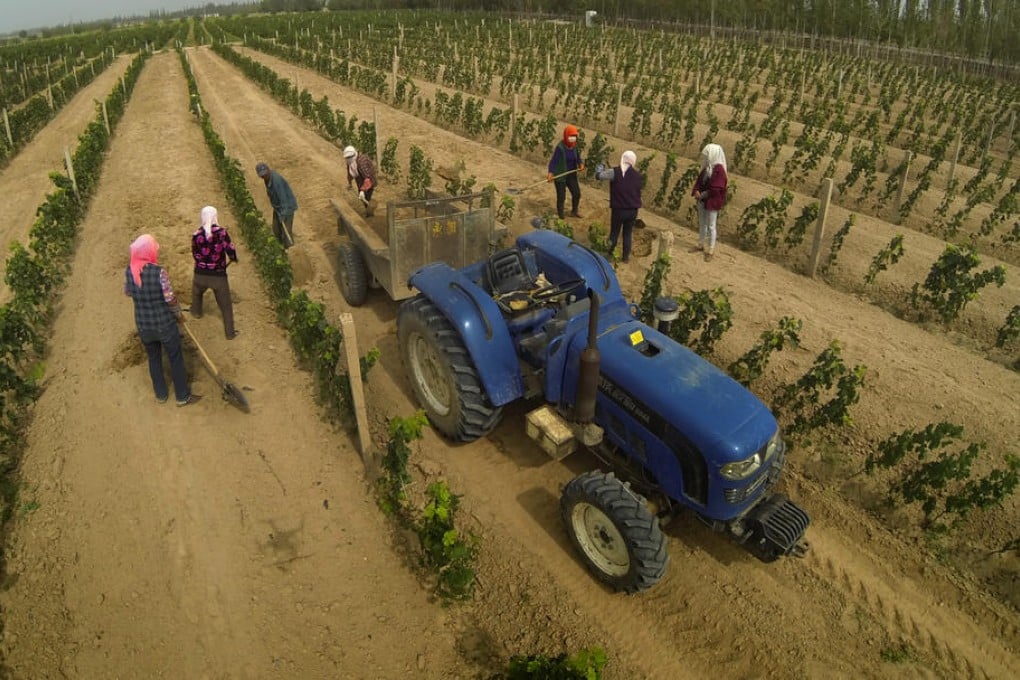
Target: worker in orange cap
x,y
564,167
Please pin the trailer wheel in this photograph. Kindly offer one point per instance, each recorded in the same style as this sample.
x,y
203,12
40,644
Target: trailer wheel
x,y
613,529
442,374
353,275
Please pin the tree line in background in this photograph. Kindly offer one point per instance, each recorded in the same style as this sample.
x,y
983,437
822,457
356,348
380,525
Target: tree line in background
x,y
980,29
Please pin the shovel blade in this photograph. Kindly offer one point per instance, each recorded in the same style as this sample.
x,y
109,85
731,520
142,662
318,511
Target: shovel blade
x,y
235,396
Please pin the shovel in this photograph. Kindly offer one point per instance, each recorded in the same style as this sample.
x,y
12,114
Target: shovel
x,y
544,181
231,392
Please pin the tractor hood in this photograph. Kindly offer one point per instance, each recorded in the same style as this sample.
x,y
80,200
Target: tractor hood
x,y
662,382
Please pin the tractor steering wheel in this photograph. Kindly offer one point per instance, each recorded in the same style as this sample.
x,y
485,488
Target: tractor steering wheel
x,y
555,290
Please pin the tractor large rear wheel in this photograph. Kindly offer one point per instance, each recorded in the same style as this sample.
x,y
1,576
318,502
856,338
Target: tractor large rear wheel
x,y
613,529
442,373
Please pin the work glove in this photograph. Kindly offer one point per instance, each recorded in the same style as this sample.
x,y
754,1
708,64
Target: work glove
x,y
600,168
580,168
361,195
549,177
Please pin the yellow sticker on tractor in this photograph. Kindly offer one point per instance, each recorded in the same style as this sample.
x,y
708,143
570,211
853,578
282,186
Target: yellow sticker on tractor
x,y
636,338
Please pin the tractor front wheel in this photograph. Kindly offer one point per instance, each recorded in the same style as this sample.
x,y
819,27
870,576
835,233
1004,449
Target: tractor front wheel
x,y
613,529
442,373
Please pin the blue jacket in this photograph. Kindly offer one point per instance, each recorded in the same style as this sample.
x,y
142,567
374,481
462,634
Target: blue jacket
x,y
280,195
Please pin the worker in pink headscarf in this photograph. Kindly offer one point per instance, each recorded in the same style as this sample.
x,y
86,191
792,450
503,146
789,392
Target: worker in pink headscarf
x,y
157,313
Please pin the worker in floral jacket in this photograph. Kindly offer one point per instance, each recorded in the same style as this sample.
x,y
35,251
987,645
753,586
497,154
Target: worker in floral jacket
x,y
360,172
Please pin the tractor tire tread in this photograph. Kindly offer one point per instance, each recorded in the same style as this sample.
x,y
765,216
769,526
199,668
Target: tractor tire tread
x,y
645,541
476,414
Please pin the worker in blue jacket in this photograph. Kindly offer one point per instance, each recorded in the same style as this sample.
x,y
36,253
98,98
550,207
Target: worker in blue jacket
x,y
284,204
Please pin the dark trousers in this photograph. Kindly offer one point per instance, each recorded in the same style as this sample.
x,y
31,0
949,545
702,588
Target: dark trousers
x,y
562,184
284,236
155,342
622,220
221,291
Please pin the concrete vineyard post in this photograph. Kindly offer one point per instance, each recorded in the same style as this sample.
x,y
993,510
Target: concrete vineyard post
x,y
70,172
956,157
350,340
903,179
619,102
106,119
7,129
823,212
396,65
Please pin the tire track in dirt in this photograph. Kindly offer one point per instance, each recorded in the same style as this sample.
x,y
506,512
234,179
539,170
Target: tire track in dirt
x,y
957,647
25,181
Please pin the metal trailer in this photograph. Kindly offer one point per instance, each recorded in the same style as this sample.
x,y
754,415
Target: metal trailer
x,y
457,230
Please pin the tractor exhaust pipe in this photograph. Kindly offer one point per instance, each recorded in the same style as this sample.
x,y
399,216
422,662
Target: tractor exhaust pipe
x,y
588,372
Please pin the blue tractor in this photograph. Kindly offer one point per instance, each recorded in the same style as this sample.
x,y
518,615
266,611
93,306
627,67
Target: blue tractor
x,y
546,319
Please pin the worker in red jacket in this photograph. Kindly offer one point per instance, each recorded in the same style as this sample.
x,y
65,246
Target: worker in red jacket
x,y
710,192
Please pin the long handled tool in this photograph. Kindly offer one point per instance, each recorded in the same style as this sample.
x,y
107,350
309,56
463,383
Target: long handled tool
x,y
532,186
231,392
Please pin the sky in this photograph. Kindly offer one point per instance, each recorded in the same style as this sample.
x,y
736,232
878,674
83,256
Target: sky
x,y
16,15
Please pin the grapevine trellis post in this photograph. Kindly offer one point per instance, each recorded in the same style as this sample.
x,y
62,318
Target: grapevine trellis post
x,y
396,65
823,212
513,113
1012,129
619,102
666,238
70,172
956,157
375,129
7,129
903,179
106,119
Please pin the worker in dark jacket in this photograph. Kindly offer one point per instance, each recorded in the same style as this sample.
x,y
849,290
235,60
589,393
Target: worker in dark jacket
x,y
283,202
157,313
624,199
564,167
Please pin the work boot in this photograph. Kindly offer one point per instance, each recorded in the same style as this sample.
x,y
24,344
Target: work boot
x,y
576,214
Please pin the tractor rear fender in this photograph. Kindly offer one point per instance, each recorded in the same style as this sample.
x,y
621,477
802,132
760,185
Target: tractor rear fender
x,y
473,314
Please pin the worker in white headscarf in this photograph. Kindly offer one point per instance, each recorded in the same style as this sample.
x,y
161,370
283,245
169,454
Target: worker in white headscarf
x,y
625,184
213,251
361,173
710,193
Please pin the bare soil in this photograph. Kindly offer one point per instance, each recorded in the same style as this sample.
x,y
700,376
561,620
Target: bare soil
x,y
155,541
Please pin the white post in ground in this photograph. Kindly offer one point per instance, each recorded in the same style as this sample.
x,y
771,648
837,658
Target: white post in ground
x,y
393,84
350,340
70,172
903,180
823,212
956,157
106,119
7,129
619,103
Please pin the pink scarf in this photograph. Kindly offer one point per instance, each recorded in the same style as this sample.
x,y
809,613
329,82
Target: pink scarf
x,y
144,250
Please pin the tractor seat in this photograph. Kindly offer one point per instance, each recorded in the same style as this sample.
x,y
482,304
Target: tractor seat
x,y
508,271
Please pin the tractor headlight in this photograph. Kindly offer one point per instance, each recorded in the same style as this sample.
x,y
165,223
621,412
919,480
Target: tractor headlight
x,y
741,469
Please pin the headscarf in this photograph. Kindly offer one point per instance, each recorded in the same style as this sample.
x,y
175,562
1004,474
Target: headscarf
x,y
351,155
711,156
627,161
568,132
144,250
209,219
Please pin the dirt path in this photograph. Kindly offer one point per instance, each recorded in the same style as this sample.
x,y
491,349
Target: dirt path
x,y
196,542
25,181
202,542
